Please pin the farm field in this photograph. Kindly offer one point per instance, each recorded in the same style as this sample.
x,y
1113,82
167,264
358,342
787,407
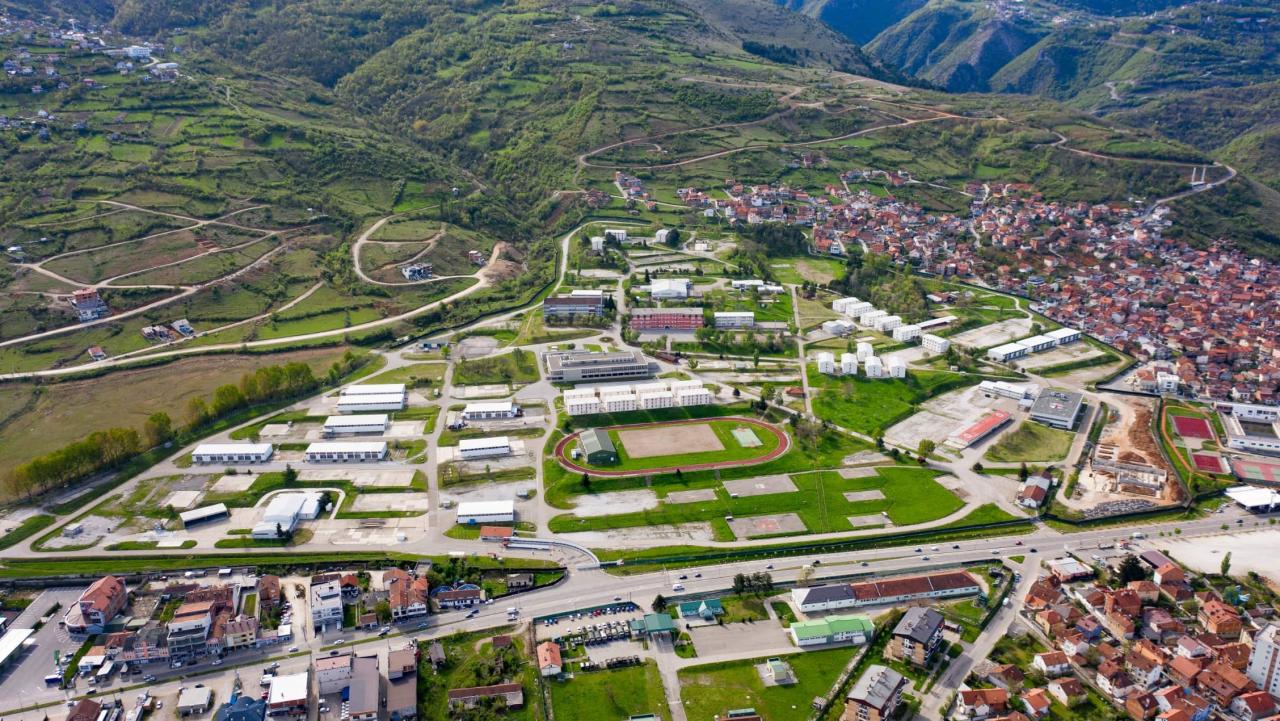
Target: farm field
x,y
610,694
1031,442
709,690
69,410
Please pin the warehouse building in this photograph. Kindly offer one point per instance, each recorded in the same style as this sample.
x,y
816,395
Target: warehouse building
x,y
597,447
204,514
589,366
666,318
823,598
1007,352
232,453
1037,343
735,319
285,511
346,452
367,423
374,389
479,512
491,410
934,343
1058,409
472,448
371,402
1063,336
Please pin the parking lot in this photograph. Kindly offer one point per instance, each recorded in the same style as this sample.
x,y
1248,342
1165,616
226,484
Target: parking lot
x,y
23,681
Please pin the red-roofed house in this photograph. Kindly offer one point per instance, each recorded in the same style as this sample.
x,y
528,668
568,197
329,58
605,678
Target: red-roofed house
x,y
549,663
99,603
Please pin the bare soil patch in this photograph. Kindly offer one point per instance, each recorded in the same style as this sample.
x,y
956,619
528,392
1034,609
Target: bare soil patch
x,y
670,440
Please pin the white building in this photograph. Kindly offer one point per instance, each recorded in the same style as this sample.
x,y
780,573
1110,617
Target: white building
x,y
841,305
827,363
662,235
232,453
346,452
333,673
581,401
1007,352
618,235
669,288
1264,660
823,598
326,605
1037,343
480,512
289,694
597,243
855,310
888,323
904,333
367,403
897,368
654,395
472,448
934,343
619,401
848,364
285,511
490,410
660,393
1167,382
693,396
1063,336
759,286
865,350
367,423
839,327
735,319
1005,389
374,389
874,367
869,318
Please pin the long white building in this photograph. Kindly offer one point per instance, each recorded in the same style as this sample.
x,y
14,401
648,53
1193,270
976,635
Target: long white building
x,y
490,410
285,511
1007,352
346,452
480,512
371,402
904,333
374,389
232,453
888,323
367,423
1063,336
869,318
473,448
651,395
934,343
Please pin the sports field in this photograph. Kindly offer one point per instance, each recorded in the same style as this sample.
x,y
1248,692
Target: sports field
x,y
1208,462
686,445
1189,427
1254,470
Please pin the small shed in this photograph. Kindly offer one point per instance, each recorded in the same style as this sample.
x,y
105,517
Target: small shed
x,y
597,447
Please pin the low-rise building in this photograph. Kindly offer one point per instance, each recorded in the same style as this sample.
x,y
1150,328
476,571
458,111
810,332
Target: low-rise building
x,y
678,319
232,453
474,448
1058,409
1007,352
97,605
289,695
832,629
593,366
735,319
549,663
934,343
363,423
346,452
482,512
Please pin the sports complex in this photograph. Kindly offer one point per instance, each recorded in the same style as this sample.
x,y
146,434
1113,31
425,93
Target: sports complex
x,y
669,446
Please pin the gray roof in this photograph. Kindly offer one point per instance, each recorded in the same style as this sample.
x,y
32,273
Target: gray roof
x,y
826,594
876,687
244,708
1063,406
594,439
364,685
919,624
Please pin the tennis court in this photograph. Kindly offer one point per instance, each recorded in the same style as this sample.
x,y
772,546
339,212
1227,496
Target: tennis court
x,y
1192,427
1260,471
1209,463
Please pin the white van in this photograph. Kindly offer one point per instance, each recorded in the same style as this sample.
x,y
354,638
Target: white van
x,y
677,587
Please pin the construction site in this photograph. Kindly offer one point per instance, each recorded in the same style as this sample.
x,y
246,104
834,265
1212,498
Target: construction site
x,y
1126,471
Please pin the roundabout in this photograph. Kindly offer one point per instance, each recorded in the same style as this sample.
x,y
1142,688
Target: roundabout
x,y
677,446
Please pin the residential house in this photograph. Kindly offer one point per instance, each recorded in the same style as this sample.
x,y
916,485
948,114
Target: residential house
x,y
875,695
402,684
979,704
917,636
1068,690
1220,619
269,597
549,663
1052,664
1141,705
1221,683
1253,706
240,632
97,605
1113,680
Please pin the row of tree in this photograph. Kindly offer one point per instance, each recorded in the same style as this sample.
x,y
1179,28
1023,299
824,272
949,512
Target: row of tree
x,y
99,451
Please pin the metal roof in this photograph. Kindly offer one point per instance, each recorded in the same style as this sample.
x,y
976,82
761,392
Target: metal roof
x,y
594,440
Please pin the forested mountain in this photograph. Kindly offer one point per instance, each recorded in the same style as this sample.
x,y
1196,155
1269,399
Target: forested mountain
x,y
860,20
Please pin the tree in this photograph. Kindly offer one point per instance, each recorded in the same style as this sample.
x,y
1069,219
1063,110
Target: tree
x,y
290,475
158,428
279,531
1023,472
737,393
1225,566
739,583
383,610
659,603
1131,570
926,447
978,467
586,481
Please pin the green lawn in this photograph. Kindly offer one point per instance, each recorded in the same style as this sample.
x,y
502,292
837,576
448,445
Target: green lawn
x,y
743,608
1031,442
911,496
733,451
869,405
413,375
518,366
708,691
610,694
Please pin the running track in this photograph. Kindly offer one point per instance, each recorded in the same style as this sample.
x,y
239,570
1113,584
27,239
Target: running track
x,y
784,444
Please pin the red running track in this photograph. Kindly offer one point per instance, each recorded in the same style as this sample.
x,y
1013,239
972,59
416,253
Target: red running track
x,y
784,444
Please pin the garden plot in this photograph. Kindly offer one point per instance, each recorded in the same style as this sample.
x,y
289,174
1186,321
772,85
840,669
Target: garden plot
x,y
608,504
940,417
389,478
995,334
872,495
695,496
366,502
652,442
771,525
760,486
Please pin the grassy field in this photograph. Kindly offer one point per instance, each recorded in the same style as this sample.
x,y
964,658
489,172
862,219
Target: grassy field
x,y
911,496
870,405
708,691
471,660
610,694
412,375
1031,442
518,366
64,412
733,451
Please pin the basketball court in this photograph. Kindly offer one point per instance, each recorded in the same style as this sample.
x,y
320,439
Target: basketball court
x,y
1193,428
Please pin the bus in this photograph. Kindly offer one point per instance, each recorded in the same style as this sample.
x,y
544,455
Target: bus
x,y
104,673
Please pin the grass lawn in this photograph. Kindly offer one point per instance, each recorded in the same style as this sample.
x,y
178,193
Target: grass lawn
x,y
733,451
249,606
518,366
1031,442
870,405
708,691
412,375
743,608
610,694
471,660
911,496
786,615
